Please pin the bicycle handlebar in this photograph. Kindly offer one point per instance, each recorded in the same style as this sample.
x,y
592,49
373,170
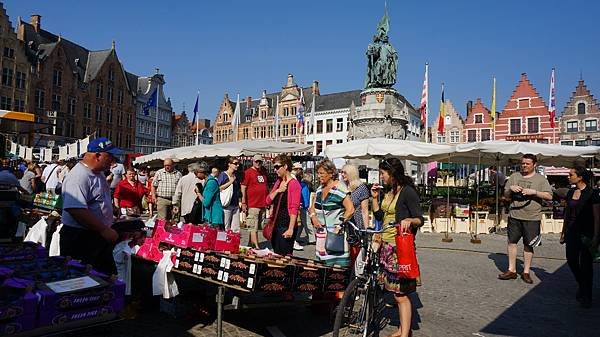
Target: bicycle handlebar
x,y
366,230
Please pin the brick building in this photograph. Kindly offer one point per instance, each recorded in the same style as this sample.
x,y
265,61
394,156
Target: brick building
x,y
478,124
453,127
525,117
184,132
579,120
80,91
16,70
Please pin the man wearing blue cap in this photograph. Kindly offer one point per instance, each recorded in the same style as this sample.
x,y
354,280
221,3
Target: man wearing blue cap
x,y
87,208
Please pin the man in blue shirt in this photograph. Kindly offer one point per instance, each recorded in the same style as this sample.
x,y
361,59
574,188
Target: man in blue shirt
x,y
87,208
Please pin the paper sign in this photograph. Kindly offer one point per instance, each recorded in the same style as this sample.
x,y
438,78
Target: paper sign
x,y
373,177
72,284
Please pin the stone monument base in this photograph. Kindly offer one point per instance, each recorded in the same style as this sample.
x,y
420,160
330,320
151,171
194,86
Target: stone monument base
x,y
383,114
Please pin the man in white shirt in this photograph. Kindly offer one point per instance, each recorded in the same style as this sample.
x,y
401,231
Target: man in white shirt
x,y
185,192
50,176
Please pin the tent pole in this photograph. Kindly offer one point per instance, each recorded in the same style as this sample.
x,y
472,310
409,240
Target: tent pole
x,y
497,222
474,238
447,237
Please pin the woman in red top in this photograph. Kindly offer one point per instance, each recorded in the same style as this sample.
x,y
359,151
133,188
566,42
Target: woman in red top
x,y
129,193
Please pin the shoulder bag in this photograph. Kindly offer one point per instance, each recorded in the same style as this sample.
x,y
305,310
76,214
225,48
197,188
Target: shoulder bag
x,y
227,194
335,241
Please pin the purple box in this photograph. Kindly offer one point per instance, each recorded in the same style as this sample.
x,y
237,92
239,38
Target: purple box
x,y
17,299
21,251
17,325
55,317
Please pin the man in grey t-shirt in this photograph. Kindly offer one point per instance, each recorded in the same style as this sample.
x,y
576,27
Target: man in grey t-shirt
x,y
526,190
87,208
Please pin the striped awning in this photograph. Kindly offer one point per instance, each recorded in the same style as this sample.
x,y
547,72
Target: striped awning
x,y
16,115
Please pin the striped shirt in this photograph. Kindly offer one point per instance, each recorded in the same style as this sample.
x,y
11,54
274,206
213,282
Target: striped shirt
x,y
166,182
330,210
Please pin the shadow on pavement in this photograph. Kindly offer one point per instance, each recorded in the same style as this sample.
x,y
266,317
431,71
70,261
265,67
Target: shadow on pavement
x,y
548,309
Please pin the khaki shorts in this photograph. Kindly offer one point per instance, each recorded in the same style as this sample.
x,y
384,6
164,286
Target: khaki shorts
x,y
255,218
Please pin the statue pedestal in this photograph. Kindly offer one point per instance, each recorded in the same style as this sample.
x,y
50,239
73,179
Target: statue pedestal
x,y
383,114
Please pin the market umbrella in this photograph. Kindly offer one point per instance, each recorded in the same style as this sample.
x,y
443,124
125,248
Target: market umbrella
x,y
384,147
159,156
241,148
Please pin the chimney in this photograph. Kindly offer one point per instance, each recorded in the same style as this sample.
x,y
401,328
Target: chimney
x,y
469,107
315,88
248,102
36,21
290,81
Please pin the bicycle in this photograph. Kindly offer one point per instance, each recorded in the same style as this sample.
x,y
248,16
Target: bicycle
x,y
359,312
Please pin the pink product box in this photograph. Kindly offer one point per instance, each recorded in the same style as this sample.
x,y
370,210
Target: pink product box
x,y
55,317
149,251
202,237
17,325
174,236
227,241
17,299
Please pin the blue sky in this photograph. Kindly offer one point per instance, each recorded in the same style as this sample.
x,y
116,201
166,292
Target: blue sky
x,y
247,46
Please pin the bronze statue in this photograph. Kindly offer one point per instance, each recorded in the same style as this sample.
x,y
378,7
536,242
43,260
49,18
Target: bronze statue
x,y
382,58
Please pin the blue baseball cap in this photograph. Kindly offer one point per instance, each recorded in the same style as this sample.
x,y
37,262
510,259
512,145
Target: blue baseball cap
x,y
104,144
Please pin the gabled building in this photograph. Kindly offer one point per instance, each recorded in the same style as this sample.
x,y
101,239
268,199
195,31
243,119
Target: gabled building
x,y
453,127
184,131
580,118
478,124
525,117
81,92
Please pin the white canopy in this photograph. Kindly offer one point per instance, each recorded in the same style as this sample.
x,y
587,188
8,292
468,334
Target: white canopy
x,y
384,147
235,149
501,152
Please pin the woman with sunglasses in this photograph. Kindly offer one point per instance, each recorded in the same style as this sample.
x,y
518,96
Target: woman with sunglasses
x,y
231,211
401,206
285,198
332,201
581,232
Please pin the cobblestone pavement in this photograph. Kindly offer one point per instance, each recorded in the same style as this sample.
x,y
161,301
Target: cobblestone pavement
x,y
460,296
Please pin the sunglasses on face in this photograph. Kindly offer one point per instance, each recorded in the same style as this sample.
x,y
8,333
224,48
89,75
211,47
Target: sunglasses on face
x,y
235,163
277,166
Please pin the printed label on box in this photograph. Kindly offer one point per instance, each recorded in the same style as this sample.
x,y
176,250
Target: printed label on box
x,y
198,237
227,263
195,268
199,269
225,276
201,257
223,262
250,282
220,275
252,269
196,256
72,284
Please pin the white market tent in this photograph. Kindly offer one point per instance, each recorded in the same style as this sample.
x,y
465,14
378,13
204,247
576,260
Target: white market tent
x,y
384,147
234,149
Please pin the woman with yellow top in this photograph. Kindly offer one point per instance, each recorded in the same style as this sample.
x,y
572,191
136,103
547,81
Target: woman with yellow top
x,y
400,206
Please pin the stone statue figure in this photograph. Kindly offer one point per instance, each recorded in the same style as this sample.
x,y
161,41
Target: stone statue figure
x,y
382,58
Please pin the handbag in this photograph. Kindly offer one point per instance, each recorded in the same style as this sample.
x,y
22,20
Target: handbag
x,y
270,226
226,195
195,215
335,241
406,254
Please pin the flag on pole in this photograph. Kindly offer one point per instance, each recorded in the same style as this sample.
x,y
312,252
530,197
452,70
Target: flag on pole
x,y
152,101
300,124
552,101
423,106
195,109
236,118
493,113
442,113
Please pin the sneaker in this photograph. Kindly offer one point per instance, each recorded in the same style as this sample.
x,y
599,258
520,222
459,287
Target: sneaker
x,y
297,246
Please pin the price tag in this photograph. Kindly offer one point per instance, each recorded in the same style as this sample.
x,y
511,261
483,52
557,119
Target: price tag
x,y
220,275
252,268
250,283
201,257
196,256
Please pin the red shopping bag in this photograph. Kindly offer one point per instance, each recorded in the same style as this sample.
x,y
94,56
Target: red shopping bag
x,y
407,256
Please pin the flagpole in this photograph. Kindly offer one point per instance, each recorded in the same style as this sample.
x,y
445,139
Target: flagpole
x,y
156,127
427,103
313,123
197,114
494,109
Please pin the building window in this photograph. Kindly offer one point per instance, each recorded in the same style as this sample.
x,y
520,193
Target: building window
x,y
20,80
285,130
263,132
72,103
293,111
581,142
294,129
320,127
566,142
515,126
581,109
57,78
591,125
120,118
99,90
255,133
56,102
119,136
9,52
19,105
248,118
471,136
286,112
339,125
441,138
109,114
98,113
486,134
319,147
245,133
454,136
111,74
5,103
523,103
533,125
128,120
109,94
572,126
7,76
128,141
339,141
478,118
329,126
120,96
87,110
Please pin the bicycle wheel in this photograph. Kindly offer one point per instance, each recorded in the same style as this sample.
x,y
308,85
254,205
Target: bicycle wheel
x,y
355,312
